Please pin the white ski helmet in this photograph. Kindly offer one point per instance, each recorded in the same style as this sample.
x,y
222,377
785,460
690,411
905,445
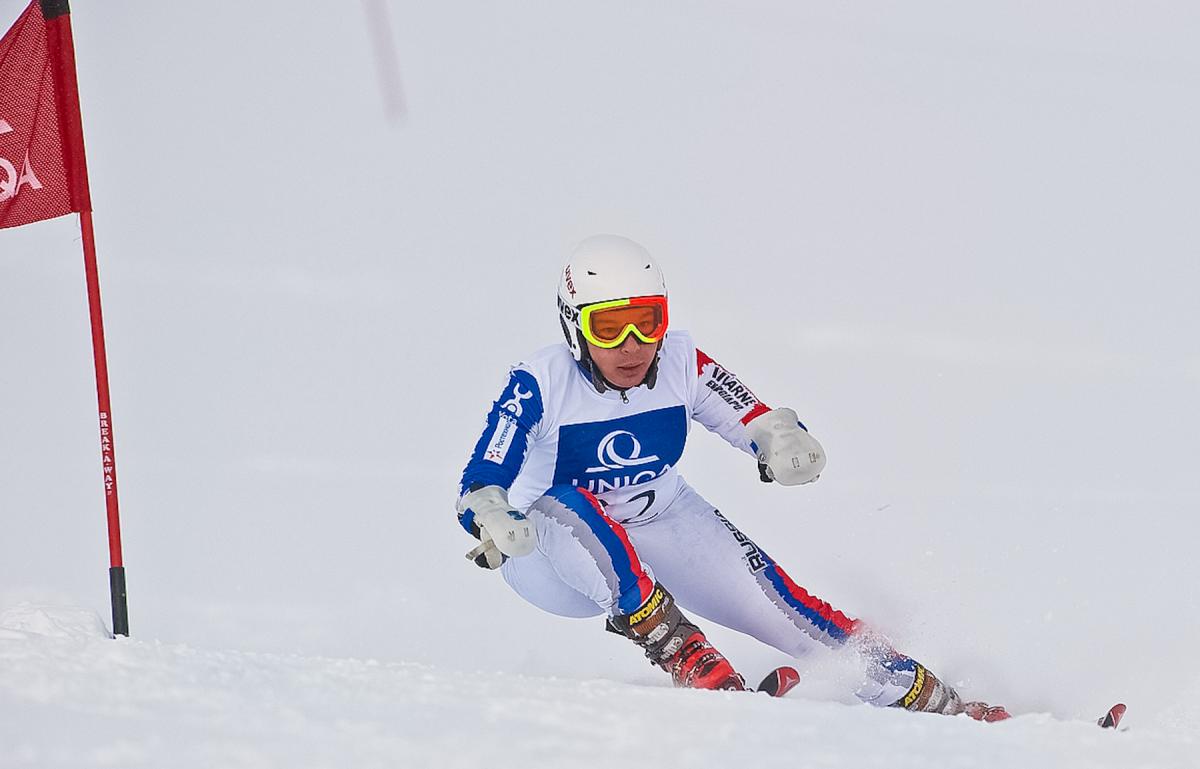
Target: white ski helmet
x,y
603,268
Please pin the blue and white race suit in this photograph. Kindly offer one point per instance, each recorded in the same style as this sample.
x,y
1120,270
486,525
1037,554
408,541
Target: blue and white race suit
x,y
596,472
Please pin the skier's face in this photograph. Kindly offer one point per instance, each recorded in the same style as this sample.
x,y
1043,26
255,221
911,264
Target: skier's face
x,y
626,365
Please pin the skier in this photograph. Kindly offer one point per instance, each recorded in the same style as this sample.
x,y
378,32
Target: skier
x,y
573,493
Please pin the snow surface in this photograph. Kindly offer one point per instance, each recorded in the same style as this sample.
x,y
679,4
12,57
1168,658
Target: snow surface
x,y
83,700
958,238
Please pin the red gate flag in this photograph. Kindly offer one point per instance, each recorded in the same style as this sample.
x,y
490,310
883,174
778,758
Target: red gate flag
x,y
43,173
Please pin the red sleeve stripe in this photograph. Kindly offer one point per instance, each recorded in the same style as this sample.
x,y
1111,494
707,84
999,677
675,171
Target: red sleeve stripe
x,y
759,409
702,360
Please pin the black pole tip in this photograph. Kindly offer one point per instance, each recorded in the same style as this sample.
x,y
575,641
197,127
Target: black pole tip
x,y
52,9
120,606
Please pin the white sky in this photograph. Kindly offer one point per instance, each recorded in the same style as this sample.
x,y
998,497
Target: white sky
x,y
961,241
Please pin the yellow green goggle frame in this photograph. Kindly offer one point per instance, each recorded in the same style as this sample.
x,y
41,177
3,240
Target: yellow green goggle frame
x,y
608,324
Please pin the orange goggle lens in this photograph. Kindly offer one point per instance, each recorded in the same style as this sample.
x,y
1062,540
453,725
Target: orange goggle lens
x,y
608,324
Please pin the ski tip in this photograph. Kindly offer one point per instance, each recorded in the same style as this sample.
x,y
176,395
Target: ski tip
x,y
1112,719
779,681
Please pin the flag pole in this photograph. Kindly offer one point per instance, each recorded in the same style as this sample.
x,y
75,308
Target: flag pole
x,y
116,571
57,14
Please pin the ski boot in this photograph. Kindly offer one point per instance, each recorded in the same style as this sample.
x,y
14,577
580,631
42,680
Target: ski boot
x,y
930,695
676,645
981,711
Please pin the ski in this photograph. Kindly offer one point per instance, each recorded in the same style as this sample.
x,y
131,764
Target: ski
x,y
779,681
1112,719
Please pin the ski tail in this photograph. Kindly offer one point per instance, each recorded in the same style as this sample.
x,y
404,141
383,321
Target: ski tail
x,y
779,681
1112,719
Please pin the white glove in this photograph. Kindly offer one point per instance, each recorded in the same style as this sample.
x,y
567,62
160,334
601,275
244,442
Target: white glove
x,y
787,454
503,531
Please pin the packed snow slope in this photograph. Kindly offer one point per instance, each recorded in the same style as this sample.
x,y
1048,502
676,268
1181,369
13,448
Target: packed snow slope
x,y
75,699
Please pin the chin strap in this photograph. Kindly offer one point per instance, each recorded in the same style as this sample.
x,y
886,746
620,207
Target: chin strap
x,y
652,372
597,379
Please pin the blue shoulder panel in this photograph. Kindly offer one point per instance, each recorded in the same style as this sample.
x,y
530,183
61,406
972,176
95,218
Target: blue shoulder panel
x,y
501,449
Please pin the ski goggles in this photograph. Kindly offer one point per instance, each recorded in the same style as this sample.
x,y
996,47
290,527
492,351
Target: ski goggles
x,y
609,324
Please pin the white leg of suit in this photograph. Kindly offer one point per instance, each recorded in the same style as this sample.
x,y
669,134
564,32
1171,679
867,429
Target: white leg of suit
x,y
711,568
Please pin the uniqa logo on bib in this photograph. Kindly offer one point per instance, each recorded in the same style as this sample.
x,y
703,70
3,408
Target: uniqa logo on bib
x,y
10,180
610,455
